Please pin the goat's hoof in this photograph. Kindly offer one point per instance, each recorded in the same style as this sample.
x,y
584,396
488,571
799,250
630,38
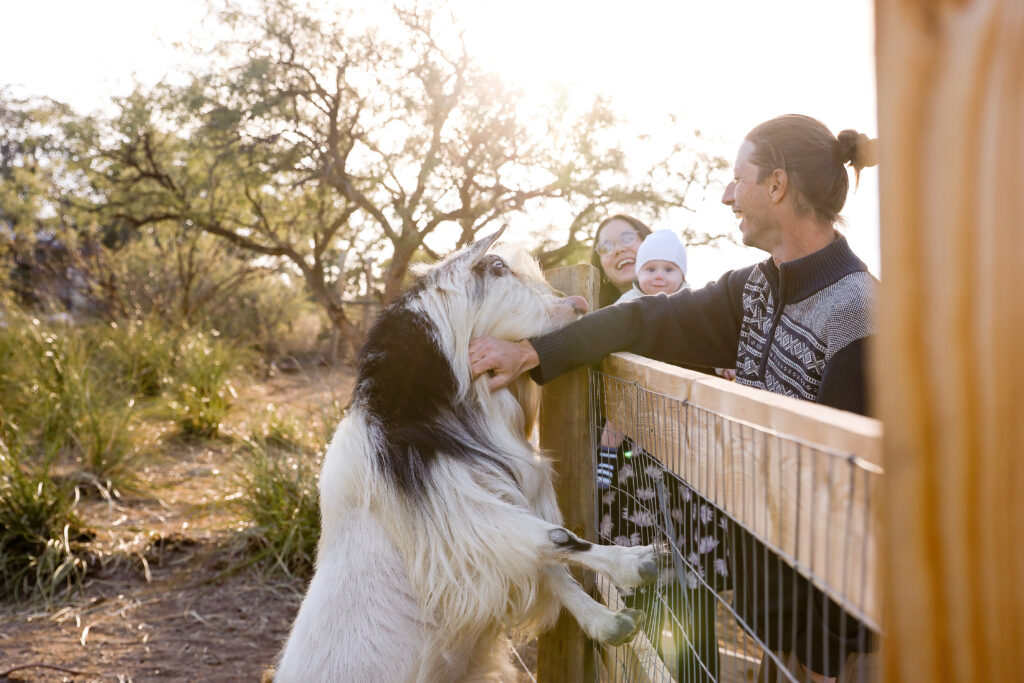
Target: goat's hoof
x,y
648,571
624,625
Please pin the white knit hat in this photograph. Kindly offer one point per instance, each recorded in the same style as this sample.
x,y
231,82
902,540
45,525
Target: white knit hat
x,y
661,245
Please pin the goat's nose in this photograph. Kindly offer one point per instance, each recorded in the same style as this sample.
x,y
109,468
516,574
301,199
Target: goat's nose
x,y
578,303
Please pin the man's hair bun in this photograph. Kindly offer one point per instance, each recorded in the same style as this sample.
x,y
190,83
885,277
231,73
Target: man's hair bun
x,y
856,149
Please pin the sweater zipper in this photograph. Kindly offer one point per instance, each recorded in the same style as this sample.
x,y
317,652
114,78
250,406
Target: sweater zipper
x,y
762,373
769,341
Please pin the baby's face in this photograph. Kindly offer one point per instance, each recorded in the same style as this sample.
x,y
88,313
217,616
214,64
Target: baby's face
x,y
659,276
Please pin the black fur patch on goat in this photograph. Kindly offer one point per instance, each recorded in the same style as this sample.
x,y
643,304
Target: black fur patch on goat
x,y
407,385
563,538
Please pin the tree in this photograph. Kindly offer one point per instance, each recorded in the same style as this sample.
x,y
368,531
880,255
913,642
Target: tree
x,y
311,138
38,179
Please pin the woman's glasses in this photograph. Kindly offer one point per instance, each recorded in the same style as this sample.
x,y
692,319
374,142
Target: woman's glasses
x,y
627,239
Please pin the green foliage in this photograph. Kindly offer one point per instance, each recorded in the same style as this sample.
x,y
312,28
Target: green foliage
x,y
39,558
340,150
41,369
139,355
279,473
189,279
279,494
261,313
76,391
37,170
202,392
283,431
57,391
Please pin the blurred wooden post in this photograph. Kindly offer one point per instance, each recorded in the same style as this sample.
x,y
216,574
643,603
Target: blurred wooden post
x,y
564,654
947,366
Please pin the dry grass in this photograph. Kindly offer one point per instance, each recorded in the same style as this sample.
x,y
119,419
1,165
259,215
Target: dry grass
x,y
167,596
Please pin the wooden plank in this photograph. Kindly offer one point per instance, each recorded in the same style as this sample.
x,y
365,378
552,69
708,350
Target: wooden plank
x,y
951,104
637,661
843,431
564,653
737,667
818,507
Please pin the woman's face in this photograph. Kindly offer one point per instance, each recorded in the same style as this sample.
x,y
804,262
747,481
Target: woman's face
x,y
618,259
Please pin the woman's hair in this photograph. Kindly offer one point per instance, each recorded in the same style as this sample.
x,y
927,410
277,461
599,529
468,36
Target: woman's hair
x,y
609,292
814,160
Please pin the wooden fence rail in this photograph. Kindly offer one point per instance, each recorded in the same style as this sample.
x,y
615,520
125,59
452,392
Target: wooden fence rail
x,y
810,511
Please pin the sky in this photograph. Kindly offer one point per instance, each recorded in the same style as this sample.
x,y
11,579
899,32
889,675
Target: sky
x,y
719,67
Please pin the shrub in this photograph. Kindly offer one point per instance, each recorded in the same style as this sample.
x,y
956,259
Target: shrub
x,y
202,389
281,430
193,280
40,379
38,531
105,441
140,354
311,433
65,400
279,495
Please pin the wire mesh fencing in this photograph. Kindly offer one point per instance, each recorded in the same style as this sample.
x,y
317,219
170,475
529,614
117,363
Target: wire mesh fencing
x,y
766,543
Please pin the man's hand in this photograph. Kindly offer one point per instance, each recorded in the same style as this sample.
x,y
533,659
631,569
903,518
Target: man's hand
x,y
505,360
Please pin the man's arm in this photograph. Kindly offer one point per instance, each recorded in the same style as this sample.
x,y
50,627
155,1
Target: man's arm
x,y
699,326
844,380
695,326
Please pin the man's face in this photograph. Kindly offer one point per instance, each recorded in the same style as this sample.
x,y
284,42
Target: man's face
x,y
750,202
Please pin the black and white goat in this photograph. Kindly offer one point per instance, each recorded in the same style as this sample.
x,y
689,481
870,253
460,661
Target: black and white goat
x,y
440,527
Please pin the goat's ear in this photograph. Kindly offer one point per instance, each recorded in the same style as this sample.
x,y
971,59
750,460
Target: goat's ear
x,y
476,251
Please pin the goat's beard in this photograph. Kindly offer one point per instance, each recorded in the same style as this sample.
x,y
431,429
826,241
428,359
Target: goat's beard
x,y
528,394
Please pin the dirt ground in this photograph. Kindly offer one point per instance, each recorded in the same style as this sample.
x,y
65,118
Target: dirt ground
x,y
162,603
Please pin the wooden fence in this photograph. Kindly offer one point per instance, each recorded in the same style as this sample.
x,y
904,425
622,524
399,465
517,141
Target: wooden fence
x,y
813,514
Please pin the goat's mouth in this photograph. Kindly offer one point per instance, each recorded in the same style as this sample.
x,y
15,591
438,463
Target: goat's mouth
x,y
567,310
578,304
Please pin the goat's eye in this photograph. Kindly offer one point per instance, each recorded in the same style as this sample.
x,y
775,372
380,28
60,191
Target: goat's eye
x,y
497,266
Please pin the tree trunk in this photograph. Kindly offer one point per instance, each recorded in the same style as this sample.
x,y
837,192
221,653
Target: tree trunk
x,y
346,338
394,277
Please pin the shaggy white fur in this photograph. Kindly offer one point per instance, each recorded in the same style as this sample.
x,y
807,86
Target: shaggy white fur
x,y
424,583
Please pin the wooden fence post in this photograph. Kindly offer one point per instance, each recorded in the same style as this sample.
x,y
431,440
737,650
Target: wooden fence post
x,y
948,372
564,654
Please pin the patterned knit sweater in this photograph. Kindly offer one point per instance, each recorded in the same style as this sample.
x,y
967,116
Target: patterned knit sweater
x,y
797,330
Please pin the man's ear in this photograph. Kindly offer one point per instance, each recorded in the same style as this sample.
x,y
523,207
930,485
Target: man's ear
x,y
778,185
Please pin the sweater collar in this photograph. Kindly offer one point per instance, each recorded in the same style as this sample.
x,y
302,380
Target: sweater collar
x,y
796,280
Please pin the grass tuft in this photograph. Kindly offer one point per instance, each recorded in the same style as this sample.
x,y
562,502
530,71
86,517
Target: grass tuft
x,y
279,494
203,392
39,558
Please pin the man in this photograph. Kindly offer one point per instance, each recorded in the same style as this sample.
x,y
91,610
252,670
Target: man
x,y
796,324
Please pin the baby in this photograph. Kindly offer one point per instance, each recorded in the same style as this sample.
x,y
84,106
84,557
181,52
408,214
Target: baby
x,y
661,267
661,264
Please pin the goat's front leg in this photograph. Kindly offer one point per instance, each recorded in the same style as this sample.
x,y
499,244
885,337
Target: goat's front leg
x,y
596,620
626,567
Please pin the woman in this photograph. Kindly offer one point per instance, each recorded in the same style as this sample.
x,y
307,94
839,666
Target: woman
x,y
614,254
631,483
